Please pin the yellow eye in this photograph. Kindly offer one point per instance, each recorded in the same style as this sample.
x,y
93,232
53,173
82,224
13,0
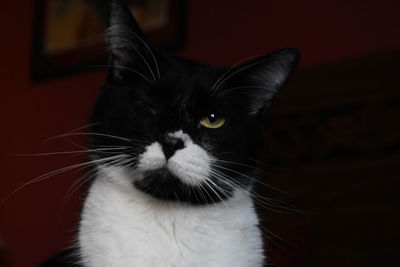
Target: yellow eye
x,y
212,121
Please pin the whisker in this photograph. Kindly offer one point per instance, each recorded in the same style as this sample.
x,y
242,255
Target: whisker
x,y
84,127
223,178
239,164
244,175
80,182
268,203
73,188
237,89
205,190
148,48
242,68
55,172
279,205
75,151
280,238
142,57
272,240
71,131
219,188
201,188
122,68
89,133
265,164
215,85
207,183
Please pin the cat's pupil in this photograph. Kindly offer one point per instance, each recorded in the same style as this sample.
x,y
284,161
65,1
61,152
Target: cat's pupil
x,y
212,118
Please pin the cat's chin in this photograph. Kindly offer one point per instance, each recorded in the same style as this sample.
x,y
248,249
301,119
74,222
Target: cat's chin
x,y
164,185
160,175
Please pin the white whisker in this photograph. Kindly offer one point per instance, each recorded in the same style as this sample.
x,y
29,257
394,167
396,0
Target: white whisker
x,y
123,68
55,172
149,49
239,164
89,133
246,176
106,150
236,72
218,82
268,203
71,131
142,57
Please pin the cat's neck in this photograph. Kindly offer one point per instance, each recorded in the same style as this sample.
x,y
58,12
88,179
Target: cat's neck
x,y
120,220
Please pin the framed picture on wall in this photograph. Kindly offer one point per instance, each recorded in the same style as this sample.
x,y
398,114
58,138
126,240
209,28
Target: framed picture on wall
x,y
68,35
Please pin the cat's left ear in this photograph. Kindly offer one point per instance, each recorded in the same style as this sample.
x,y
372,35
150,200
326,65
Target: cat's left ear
x,y
261,79
130,52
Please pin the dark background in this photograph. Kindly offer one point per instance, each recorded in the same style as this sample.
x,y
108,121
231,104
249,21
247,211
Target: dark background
x,y
334,140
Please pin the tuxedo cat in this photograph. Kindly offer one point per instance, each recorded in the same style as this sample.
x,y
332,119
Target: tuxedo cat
x,y
172,141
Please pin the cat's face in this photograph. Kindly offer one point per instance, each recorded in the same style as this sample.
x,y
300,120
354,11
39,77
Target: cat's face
x,y
180,130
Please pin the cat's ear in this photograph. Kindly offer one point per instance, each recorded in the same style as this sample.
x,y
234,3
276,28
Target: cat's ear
x,y
261,79
130,52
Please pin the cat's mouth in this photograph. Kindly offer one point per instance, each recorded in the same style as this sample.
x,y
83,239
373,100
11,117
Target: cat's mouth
x,y
184,175
161,175
162,184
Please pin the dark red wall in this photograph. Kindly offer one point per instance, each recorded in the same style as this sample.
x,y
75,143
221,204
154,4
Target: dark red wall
x,y
32,224
222,32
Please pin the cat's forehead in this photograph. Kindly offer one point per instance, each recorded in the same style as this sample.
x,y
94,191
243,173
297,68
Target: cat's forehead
x,y
191,77
181,98
188,84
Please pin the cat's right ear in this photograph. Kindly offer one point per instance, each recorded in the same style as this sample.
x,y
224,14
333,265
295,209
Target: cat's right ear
x,y
130,53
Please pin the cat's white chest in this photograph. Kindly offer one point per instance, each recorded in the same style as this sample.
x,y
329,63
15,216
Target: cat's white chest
x,y
122,227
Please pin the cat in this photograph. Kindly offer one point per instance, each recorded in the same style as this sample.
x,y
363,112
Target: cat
x,y
172,141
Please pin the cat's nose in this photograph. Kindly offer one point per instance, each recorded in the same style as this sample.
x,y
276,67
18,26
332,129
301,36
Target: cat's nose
x,y
170,145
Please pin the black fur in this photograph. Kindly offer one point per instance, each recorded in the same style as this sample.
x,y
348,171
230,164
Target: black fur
x,y
149,94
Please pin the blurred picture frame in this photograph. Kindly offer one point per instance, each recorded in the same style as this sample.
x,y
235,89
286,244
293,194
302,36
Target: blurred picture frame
x,y
68,35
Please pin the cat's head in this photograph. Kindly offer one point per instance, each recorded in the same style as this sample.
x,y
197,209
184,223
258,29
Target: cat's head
x,y
181,130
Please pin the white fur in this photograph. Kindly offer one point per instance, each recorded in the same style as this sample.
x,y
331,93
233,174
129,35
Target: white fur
x,y
190,164
153,158
123,227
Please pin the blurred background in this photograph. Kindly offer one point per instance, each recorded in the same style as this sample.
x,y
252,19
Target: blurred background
x,y
332,147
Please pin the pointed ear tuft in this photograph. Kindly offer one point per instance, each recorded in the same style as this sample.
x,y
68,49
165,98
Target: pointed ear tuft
x,y
130,53
261,79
